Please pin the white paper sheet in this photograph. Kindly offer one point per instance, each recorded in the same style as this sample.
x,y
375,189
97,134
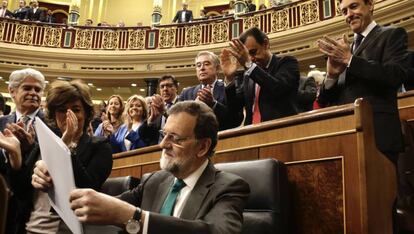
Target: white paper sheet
x,y
58,160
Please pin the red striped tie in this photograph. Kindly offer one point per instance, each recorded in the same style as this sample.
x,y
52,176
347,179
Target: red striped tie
x,y
256,110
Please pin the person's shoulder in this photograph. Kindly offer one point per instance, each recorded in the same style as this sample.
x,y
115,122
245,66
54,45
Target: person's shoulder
x,y
392,29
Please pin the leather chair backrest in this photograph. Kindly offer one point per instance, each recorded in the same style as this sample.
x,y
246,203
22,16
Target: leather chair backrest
x,y
117,185
4,200
267,208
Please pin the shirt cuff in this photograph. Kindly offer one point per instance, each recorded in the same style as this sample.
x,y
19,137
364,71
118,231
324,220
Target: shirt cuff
x,y
146,221
250,70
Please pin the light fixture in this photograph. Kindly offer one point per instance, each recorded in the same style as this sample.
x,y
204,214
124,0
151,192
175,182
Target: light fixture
x,y
90,84
46,81
7,82
134,85
142,90
312,66
98,89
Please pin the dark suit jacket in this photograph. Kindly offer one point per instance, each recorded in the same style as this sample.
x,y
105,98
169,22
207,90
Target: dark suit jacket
x,y
188,16
306,93
20,13
8,14
251,7
215,204
375,73
225,118
38,16
278,90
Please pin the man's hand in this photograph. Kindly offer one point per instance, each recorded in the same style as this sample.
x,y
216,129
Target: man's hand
x,y
228,65
41,178
239,51
338,52
11,144
157,108
108,128
205,95
26,138
98,208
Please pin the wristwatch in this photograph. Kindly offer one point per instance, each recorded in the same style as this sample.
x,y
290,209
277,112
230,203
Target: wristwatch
x,y
134,224
248,64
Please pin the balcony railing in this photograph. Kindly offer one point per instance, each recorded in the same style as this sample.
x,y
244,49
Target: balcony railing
x,y
205,32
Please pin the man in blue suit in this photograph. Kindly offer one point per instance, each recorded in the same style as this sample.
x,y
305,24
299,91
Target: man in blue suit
x,y
183,16
211,91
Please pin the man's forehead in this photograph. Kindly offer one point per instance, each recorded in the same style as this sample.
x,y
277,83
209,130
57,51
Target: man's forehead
x,y
204,58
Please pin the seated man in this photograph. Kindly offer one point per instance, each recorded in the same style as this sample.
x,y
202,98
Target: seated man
x,y
209,201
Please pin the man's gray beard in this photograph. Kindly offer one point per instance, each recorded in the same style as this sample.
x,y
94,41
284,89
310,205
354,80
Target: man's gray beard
x,y
168,165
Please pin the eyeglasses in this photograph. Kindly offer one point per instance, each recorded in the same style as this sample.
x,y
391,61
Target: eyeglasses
x,y
173,138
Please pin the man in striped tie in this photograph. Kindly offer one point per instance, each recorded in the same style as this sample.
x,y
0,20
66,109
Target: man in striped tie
x,y
187,196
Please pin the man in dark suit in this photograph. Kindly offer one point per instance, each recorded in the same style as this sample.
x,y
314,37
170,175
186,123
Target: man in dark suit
x,y
184,15
250,6
160,104
35,13
306,93
22,11
211,90
26,89
373,67
49,18
209,201
4,12
268,87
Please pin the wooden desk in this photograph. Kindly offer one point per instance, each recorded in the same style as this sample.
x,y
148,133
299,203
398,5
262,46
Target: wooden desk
x,y
339,181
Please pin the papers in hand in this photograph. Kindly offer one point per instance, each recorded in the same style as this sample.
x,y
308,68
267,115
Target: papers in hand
x,y
57,157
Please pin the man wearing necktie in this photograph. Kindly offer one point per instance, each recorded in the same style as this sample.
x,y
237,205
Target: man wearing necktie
x,y
160,104
268,87
372,67
211,90
4,12
26,88
187,196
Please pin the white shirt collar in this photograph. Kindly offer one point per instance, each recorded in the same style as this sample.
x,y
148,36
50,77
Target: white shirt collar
x,y
368,29
192,179
32,115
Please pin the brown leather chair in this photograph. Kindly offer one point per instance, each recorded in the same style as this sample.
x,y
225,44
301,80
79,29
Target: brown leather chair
x,y
267,208
4,200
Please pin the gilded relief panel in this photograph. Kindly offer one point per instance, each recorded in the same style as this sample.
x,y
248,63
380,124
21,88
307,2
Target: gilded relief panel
x,y
252,21
110,40
309,12
167,37
52,37
280,20
136,39
220,32
193,35
24,34
2,30
83,39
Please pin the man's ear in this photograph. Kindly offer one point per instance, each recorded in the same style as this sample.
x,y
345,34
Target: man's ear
x,y
204,146
11,91
266,43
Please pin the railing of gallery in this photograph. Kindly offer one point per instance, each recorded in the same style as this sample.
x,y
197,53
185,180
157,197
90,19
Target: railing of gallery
x,y
204,32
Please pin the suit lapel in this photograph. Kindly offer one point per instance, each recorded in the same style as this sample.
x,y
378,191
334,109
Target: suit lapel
x,y
199,193
218,91
162,193
371,38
